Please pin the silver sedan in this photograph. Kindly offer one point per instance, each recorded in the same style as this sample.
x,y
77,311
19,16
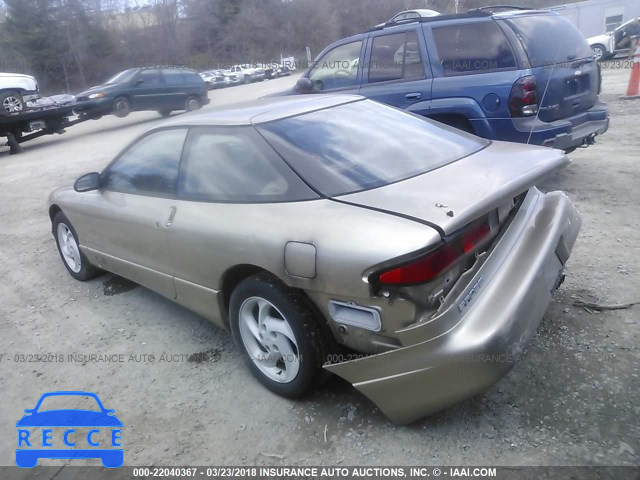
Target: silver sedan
x,y
335,235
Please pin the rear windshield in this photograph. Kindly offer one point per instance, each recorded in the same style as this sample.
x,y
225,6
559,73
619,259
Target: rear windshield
x,y
364,145
550,39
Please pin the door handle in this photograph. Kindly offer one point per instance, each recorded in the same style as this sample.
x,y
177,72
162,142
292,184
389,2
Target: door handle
x,y
170,217
413,96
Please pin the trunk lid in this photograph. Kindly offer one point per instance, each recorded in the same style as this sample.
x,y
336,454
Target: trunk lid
x,y
454,195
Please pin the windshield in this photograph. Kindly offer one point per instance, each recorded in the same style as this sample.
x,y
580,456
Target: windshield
x,y
66,402
550,39
122,76
341,150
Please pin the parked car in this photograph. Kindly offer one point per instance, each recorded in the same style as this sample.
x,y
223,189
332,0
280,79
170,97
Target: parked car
x,y
248,73
298,223
151,88
521,76
216,79
410,15
276,70
616,42
15,90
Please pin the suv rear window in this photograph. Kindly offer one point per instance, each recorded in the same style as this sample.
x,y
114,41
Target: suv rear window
x,y
473,48
549,39
340,150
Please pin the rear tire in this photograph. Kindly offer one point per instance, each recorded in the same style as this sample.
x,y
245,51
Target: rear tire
x,y
11,102
121,107
192,104
279,334
164,113
599,51
72,257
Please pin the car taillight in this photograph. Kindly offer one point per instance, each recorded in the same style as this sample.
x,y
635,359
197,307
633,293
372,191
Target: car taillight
x,y
523,100
432,264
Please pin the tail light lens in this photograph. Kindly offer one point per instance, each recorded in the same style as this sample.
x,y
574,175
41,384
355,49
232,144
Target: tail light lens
x,y
429,266
523,101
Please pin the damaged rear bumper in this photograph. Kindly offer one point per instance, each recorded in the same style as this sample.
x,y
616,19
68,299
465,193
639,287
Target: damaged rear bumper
x,y
445,361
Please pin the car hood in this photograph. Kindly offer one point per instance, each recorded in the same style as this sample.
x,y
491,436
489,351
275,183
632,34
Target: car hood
x,y
451,196
599,39
18,75
102,88
69,418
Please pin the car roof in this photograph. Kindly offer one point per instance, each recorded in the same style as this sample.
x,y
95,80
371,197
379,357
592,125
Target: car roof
x,y
260,111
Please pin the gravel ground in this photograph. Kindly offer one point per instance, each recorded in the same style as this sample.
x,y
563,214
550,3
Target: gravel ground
x,y
572,400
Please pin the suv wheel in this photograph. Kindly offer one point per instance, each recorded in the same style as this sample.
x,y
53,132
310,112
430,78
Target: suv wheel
x,y
599,51
121,107
279,334
11,102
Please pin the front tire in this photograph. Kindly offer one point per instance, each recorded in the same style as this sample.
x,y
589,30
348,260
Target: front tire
x,y
68,247
279,334
164,113
121,107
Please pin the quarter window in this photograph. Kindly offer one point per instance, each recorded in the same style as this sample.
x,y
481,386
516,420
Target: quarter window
x,y
395,57
338,68
473,48
234,164
149,167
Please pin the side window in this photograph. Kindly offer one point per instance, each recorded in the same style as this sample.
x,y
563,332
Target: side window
x,y
149,167
338,68
395,57
151,77
172,76
234,164
473,48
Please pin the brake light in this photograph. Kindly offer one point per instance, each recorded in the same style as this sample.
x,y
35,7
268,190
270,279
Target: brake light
x,y
523,100
428,267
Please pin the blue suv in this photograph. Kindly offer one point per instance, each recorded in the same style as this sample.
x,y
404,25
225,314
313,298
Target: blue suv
x,y
524,76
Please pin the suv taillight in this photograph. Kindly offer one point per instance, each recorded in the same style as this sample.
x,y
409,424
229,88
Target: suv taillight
x,y
429,266
523,101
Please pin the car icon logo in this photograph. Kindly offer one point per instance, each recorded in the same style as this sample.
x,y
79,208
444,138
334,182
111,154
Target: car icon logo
x,y
60,433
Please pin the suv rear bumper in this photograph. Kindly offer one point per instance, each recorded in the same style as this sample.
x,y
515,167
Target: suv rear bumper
x,y
567,133
501,309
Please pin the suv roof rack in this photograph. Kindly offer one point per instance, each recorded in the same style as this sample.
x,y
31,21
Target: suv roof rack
x,y
491,8
470,14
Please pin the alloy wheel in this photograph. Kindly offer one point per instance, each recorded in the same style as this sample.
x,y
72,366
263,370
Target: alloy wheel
x,y
12,104
69,248
269,340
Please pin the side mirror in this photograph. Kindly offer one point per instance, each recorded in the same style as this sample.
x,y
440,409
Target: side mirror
x,y
88,182
304,85
28,410
139,81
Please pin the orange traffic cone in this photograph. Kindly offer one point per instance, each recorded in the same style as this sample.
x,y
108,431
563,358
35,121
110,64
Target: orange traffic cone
x,y
633,89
